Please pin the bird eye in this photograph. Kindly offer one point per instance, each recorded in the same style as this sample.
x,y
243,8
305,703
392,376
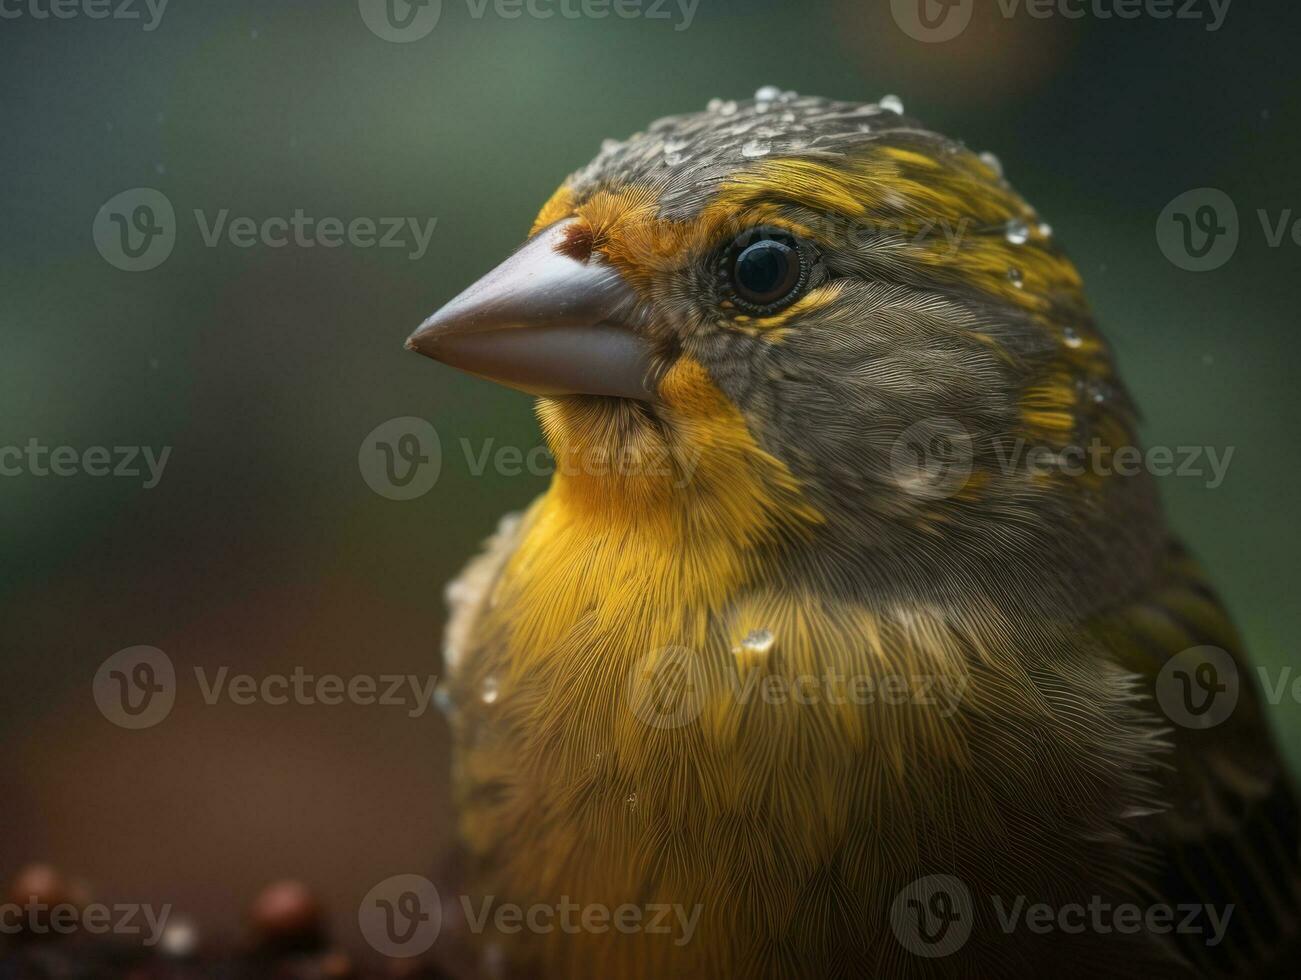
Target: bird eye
x,y
765,270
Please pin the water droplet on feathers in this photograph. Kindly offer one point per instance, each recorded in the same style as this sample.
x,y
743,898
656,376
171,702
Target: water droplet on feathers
x,y
1017,232
444,703
755,149
892,103
758,642
1015,276
489,690
769,93
993,163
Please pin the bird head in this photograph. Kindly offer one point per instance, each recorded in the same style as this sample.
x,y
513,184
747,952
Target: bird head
x,y
817,327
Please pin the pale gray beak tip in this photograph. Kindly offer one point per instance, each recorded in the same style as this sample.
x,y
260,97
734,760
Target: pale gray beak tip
x,y
543,322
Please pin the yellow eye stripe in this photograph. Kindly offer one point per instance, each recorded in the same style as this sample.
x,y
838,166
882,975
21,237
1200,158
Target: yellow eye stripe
x,y
772,328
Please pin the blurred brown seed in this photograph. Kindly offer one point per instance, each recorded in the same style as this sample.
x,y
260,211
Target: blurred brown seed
x,y
39,884
337,966
286,915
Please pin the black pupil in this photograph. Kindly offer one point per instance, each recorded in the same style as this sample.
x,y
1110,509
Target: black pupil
x,y
766,271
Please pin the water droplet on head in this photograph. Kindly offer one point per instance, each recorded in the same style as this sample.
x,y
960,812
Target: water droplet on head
x,y
674,159
713,105
993,163
1017,232
755,149
768,93
727,108
1015,276
892,103
1071,337
489,690
758,642
1045,229
1098,393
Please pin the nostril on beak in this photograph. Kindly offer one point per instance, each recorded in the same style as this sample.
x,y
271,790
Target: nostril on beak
x,y
576,242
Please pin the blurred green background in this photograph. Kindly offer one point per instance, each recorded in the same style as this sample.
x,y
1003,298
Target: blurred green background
x,y
263,549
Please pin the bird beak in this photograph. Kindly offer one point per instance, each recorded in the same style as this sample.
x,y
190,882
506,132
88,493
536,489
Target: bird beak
x,y
546,323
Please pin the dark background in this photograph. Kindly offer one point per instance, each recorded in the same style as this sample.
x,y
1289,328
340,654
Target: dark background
x,y
263,549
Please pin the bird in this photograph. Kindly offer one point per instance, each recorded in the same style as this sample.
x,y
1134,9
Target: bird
x,y
840,632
